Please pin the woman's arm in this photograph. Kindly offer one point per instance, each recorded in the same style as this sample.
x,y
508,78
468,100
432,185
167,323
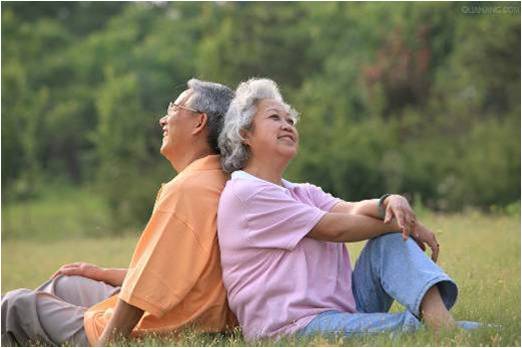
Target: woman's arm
x,y
394,206
341,227
369,207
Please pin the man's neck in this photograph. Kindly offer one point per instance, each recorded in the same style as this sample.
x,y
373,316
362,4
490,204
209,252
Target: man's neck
x,y
181,162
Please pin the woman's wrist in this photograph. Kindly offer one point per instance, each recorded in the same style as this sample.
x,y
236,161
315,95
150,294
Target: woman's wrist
x,y
382,205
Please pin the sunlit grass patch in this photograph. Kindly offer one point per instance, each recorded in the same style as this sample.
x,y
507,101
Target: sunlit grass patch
x,y
28,263
480,252
60,212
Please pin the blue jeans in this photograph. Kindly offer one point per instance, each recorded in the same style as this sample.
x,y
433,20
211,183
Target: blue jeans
x,y
388,269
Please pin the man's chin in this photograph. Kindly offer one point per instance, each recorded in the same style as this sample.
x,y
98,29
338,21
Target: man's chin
x,y
163,149
166,151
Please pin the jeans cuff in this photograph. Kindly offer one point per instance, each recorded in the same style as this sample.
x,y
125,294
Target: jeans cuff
x,y
448,292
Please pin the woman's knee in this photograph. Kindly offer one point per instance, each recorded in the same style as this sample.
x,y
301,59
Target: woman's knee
x,y
386,239
391,245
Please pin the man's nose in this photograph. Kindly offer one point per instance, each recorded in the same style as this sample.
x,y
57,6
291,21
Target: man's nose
x,y
163,120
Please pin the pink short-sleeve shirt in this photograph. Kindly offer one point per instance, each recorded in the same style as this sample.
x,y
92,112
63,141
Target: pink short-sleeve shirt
x,y
278,279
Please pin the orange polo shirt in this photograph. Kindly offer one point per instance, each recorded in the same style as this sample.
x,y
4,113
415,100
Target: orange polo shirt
x,y
175,272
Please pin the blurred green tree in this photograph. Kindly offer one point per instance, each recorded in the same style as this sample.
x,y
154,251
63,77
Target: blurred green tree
x,y
416,98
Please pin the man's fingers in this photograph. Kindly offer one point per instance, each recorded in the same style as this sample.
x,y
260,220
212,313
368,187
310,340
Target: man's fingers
x,y
58,272
69,269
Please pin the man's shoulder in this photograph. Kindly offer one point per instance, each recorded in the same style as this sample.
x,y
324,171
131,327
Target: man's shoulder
x,y
199,190
202,180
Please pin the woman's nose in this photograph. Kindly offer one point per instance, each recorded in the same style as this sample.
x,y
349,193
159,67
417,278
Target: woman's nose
x,y
287,126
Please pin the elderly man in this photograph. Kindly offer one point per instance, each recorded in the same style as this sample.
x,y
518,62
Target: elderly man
x,y
174,277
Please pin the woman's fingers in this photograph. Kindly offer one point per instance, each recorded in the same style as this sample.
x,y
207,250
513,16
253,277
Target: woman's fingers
x,y
420,244
410,221
434,246
402,224
405,217
415,232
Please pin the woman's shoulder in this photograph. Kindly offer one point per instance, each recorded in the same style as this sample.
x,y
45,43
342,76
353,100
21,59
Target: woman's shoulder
x,y
247,188
302,186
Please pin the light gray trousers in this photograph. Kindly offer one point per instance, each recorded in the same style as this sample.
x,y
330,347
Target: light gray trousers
x,y
53,313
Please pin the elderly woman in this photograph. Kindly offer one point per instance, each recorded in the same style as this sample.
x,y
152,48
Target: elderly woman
x,y
285,266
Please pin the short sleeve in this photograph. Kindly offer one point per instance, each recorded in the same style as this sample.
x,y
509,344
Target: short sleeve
x,y
322,200
276,220
163,268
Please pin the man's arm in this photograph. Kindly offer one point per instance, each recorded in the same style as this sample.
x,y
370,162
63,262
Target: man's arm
x,y
113,276
123,320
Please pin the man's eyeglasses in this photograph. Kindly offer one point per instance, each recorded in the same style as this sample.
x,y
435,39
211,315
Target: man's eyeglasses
x,y
173,107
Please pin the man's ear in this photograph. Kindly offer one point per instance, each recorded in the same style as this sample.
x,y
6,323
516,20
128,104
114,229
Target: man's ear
x,y
201,123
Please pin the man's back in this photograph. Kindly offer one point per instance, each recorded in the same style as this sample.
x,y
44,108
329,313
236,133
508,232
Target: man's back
x,y
175,272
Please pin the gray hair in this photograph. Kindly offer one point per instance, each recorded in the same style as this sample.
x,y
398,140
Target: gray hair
x,y
240,115
214,100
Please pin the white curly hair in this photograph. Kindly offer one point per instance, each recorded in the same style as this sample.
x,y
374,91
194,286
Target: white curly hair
x,y
234,153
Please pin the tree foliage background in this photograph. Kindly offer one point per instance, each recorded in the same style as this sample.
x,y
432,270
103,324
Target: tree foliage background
x,y
417,98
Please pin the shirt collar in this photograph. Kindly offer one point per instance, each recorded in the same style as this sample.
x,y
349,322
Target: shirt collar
x,y
241,174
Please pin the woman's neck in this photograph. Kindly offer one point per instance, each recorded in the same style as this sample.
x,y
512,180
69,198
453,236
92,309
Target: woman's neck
x,y
270,173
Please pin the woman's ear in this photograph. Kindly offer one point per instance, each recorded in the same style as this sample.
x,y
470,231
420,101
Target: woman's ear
x,y
201,123
245,135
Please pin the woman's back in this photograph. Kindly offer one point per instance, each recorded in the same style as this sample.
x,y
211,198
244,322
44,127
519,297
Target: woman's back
x,y
277,279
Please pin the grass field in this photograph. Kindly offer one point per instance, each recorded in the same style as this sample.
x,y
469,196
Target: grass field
x,y
481,252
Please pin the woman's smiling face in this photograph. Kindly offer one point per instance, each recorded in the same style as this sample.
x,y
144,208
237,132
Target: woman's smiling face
x,y
273,131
